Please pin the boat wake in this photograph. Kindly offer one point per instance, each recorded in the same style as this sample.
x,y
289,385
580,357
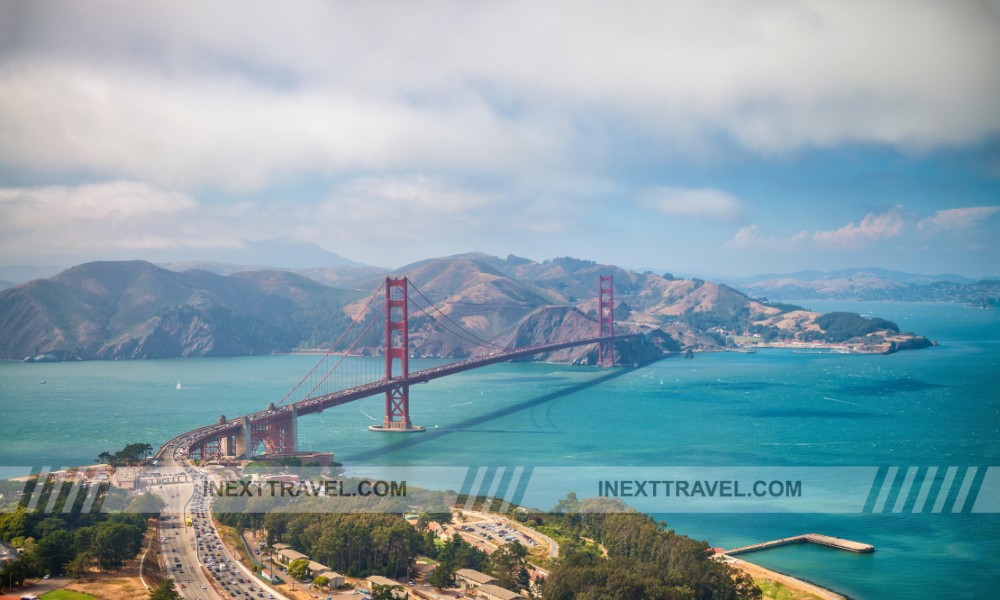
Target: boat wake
x,y
841,401
360,410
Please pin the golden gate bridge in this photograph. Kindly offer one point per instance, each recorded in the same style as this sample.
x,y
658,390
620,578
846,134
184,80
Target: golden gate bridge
x,y
377,361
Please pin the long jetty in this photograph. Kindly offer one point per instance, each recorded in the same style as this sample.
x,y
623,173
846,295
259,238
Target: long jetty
x,y
806,538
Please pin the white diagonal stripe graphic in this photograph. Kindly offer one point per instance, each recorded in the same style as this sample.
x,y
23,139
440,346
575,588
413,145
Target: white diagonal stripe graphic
x,y
515,481
470,500
36,494
56,489
883,494
925,489
949,477
904,493
963,492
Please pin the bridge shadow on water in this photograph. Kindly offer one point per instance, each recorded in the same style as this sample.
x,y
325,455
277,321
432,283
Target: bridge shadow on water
x,y
414,439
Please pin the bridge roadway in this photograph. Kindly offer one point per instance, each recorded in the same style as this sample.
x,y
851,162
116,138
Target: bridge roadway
x,y
320,403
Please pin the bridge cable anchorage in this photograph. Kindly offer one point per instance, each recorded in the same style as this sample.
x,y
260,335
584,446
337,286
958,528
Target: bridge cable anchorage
x,y
333,346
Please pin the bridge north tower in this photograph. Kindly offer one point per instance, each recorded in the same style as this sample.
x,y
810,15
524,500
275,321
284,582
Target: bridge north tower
x,y
606,320
397,358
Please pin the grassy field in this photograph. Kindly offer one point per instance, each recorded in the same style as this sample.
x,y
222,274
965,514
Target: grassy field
x,y
66,595
777,591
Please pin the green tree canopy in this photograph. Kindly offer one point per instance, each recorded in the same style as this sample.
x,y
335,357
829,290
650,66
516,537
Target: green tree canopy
x,y
508,565
164,591
147,503
298,568
385,592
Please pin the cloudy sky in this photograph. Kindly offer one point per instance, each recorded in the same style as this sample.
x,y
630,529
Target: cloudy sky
x,y
726,137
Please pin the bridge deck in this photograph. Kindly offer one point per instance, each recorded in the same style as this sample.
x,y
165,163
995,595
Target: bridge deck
x,y
318,404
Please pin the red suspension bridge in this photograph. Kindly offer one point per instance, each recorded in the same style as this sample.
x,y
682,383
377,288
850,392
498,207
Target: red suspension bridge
x,y
378,362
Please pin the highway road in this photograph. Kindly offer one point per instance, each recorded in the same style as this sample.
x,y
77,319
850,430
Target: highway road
x,y
194,556
178,542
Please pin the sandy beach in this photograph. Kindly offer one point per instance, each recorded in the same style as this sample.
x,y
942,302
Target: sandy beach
x,y
759,573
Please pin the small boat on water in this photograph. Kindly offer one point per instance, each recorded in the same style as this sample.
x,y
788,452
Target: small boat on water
x,y
179,385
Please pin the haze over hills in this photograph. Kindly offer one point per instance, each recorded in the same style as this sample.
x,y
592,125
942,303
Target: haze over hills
x,y
135,309
245,255
863,272
871,284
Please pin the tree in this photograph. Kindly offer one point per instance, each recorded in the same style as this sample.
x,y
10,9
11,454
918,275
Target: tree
x,y
48,525
114,543
298,568
745,587
131,454
12,524
443,576
80,565
55,551
24,567
454,555
385,592
507,564
321,581
146,504
164,591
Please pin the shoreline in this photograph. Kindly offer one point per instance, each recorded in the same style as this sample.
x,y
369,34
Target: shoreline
x,y
758,572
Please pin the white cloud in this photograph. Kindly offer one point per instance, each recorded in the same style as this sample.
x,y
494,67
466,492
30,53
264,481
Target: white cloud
x,y
234,95
420,207
699,203
238,134
956,218
394,194
872,228
382,220
749,237
115,214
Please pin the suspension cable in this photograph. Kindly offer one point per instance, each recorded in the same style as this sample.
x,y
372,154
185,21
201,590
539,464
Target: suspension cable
x,y
345,354
475,337
333,346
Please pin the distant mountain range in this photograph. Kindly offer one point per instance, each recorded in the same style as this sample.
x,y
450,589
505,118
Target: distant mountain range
x,y
134,309
247,255
871,284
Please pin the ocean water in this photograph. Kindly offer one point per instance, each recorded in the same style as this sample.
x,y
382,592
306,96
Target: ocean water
x,y
934,407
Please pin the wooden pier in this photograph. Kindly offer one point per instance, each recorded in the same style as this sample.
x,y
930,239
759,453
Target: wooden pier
x,y
806,538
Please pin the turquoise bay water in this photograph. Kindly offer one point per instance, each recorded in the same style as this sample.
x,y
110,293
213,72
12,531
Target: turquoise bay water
x,y
935,407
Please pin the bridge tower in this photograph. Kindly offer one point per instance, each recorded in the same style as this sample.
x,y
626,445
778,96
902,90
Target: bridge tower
x,y
606,320
397,358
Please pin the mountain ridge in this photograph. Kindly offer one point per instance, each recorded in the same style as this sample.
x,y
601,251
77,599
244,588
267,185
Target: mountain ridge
x,y
134,309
